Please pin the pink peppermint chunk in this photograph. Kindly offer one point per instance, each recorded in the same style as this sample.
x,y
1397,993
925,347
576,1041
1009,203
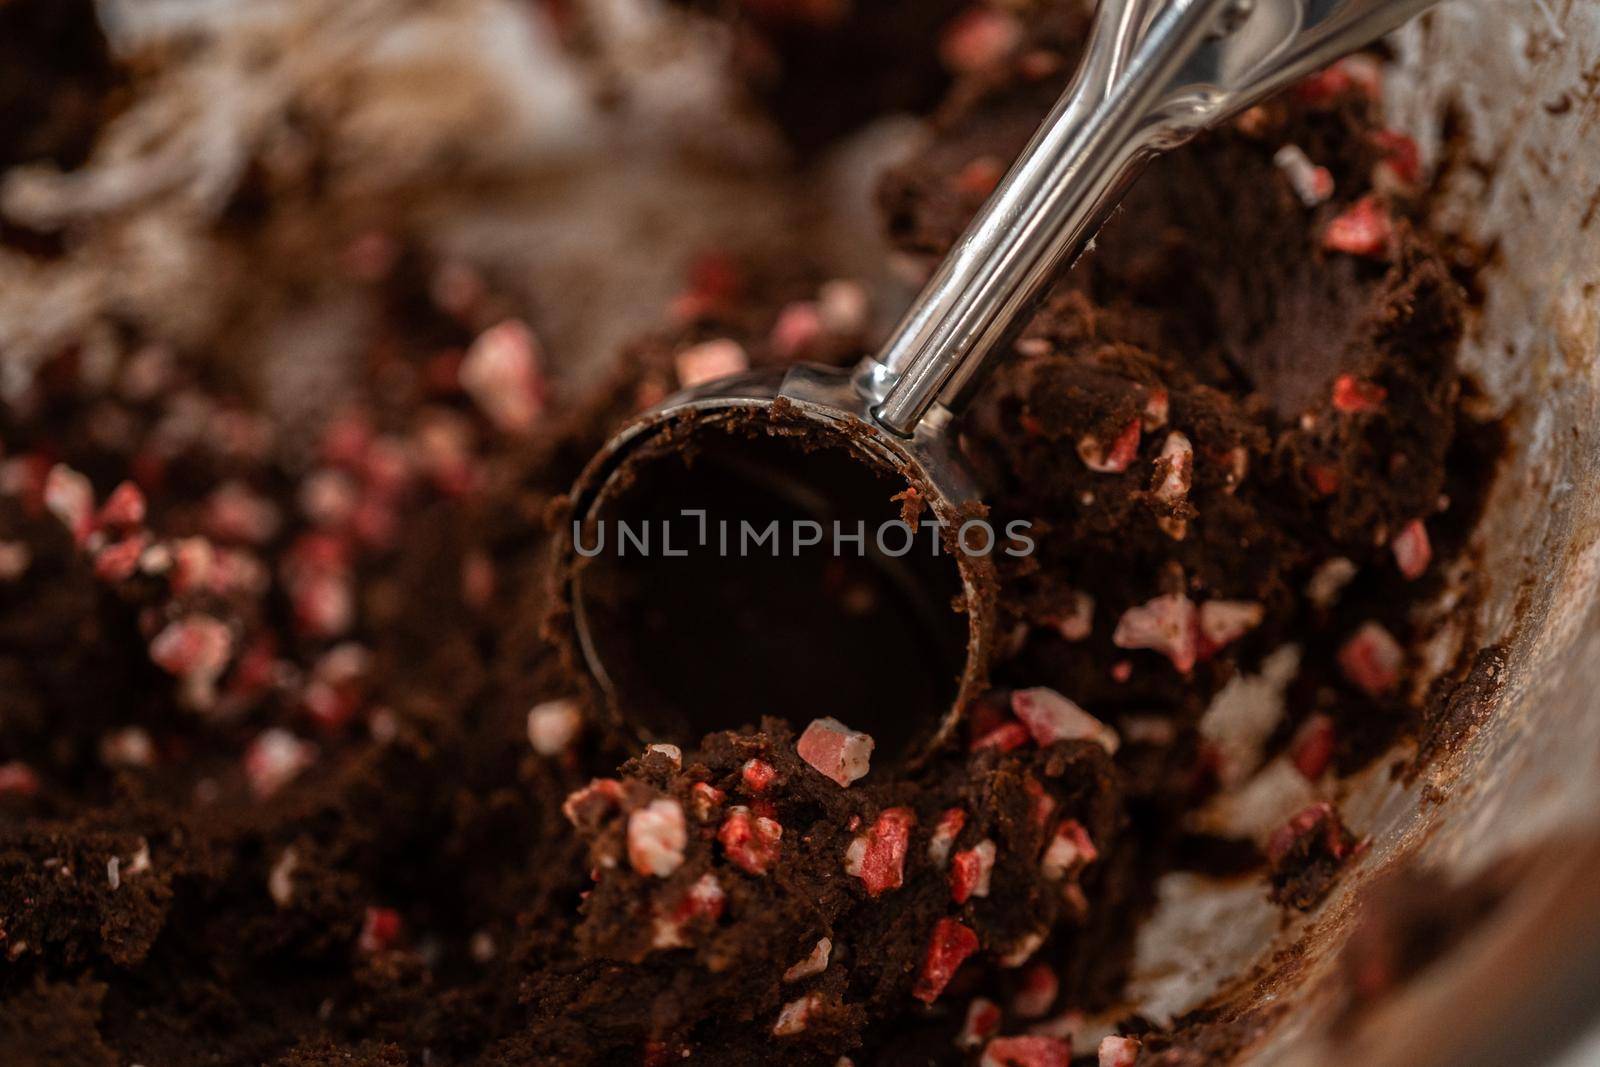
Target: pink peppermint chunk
x,y
657,836
1223,622
983,1019
1371,659
1070,850
813,964
878,856
1364,229
970,871
948,948
835,750
274,759
1167,624
1051,717
70,498
1113,458
750,841
709,361
1412,549
553,725
501,373
945,832
1118,1051
796,1015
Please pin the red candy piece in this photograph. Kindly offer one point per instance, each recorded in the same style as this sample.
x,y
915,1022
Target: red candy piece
x,y
1364,229
948,948
750,841
1412,549
878,856
1352,395
379,930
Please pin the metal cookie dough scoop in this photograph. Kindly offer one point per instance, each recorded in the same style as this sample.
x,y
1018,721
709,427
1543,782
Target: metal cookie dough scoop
x,y
811,531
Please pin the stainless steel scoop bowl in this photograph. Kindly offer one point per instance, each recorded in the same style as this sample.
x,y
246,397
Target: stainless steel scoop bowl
x,y
1153,75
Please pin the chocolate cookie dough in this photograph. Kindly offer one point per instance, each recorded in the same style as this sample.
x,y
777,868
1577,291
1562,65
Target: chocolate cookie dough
x,y
291,773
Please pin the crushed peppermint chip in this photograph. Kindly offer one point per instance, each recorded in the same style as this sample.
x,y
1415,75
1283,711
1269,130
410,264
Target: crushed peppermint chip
x,y
501,373
1028,1050
119,561
274,758
970,871
128,747
981,1023
234,512
835,751
1006,736
280,879
1070,850
813,964
195,649
1076,621
796,1015
979,38
1371,659
1174,469
15,559
878,855
1022,950
756,775
798,326
70,498
1157,407
1312,747
948,947
1311,183
751,842
1401,167
1223,622
1037,994
1051,717
945,832
1321,816
123,508
657,836
843,305
1364,229
1412,550
1115,457
672,753
1117,1051
1329,580
710,360
703,901
1167,624
553,725
704,800
380,929
1355,396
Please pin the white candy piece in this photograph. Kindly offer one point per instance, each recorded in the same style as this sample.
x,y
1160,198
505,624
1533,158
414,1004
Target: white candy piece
x,y
1051,717
657,835
553,725
835,750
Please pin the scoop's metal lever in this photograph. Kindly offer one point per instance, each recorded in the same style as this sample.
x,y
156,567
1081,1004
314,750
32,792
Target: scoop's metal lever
x,y
1153,75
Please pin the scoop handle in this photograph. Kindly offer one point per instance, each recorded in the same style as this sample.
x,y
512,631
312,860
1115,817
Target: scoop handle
x,y
1153,75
